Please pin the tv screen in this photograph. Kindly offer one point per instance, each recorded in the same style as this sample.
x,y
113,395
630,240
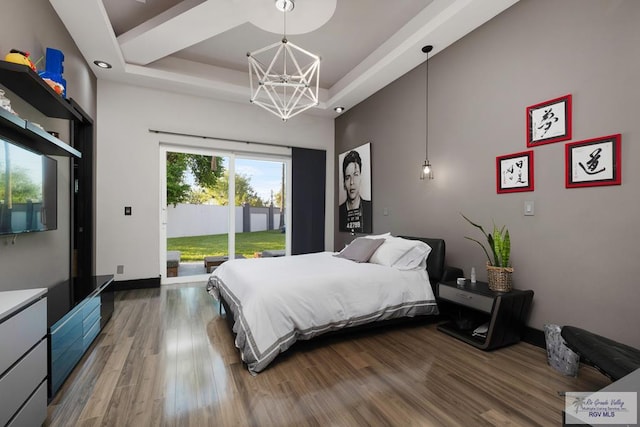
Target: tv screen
x,y
28,190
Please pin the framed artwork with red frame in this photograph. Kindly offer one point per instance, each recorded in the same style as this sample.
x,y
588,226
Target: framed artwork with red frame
x,y
549,121
594,162
514,172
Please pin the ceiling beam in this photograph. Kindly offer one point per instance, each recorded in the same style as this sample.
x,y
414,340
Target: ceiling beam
x,y
194,20
89,17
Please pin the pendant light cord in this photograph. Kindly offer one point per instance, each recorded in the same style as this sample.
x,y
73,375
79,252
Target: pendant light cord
x,y
284,37
426,145
284,20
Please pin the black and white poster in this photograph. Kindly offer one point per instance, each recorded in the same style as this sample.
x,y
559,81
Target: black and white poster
x,y
354,199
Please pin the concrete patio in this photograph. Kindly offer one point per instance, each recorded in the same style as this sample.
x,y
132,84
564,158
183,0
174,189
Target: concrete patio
x,y
191,268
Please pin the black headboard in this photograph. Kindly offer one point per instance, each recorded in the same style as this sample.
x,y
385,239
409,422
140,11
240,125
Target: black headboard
x,y
435,261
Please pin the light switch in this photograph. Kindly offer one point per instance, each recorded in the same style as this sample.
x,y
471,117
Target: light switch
x,y
385,212
529,208
127,210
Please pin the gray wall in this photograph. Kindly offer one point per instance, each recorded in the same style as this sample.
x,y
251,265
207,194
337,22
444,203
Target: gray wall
x,y
579,253
42,259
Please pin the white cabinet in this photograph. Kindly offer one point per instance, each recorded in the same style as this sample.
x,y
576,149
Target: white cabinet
x,y
23,357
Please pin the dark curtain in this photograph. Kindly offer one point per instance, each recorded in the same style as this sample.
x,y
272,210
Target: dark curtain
x,y
308,184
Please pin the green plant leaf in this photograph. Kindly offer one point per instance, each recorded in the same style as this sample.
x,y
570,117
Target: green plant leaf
x,y
499,243
506,249
482,246
492,245
474,224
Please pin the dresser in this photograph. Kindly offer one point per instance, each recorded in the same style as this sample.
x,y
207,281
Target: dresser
x,y
23,357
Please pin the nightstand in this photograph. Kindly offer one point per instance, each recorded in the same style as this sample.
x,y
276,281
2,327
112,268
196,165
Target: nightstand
x,y
474,304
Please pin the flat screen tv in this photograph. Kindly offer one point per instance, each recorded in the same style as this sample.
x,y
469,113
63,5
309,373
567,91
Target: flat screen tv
x,y
28,190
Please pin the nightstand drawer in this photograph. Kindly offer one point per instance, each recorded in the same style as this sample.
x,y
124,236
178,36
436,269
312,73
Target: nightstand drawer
x,y
468,299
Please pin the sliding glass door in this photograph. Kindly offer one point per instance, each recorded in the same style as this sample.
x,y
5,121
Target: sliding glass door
x,y
260,191
195,222
218,206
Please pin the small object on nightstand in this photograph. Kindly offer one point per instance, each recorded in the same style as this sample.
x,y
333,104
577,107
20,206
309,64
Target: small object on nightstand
x,y
460,281
473,275
481,331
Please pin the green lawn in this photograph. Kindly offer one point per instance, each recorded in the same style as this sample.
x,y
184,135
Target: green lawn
x,y
195,248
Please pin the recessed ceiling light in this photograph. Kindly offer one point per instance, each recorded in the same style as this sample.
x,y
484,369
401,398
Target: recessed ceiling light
x,y
338,109
102,64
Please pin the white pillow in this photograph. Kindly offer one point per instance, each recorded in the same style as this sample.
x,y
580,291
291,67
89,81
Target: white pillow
x,y
414,258
378,236
401,253
360,250
390,251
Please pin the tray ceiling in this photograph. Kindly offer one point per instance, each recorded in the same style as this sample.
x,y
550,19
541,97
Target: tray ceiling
x,y
199,46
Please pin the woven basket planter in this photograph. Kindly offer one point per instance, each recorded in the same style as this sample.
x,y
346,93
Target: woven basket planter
x,y
499,278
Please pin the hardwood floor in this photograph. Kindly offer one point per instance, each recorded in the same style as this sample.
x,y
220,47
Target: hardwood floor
x,y
166,358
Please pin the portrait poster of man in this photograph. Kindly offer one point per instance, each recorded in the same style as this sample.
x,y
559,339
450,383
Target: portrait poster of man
x,y
354,189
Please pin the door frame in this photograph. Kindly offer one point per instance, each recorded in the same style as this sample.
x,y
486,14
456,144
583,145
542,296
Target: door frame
x,y
220,148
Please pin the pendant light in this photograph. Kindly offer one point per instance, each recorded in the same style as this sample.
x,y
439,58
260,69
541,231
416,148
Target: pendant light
x,y
284,78
426,170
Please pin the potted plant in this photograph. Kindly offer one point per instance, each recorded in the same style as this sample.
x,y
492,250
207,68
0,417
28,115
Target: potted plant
x,y
499,270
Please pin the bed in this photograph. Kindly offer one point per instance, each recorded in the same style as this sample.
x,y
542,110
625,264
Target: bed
x,y
277,301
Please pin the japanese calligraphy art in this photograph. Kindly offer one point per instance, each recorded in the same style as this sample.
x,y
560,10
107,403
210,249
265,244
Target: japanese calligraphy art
x,y
549,121
514,172
594,162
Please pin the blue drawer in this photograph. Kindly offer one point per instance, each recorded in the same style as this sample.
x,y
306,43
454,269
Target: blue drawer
x,y
90,335
61,367
90,320
89,305
67,344
72,335
65,333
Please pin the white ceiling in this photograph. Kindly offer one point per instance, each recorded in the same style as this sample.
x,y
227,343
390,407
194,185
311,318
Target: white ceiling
x,y
199,46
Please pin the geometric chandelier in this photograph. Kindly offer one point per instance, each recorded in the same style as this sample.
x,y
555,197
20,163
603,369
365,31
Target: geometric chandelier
x,y
284,78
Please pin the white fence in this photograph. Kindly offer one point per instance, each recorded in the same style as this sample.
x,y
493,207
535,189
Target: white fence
x,y
185,220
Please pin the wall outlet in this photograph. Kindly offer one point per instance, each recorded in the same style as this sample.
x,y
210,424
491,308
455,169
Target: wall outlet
x,y
120,269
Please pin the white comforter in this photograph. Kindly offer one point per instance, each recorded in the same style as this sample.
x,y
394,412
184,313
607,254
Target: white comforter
x,y
277,301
